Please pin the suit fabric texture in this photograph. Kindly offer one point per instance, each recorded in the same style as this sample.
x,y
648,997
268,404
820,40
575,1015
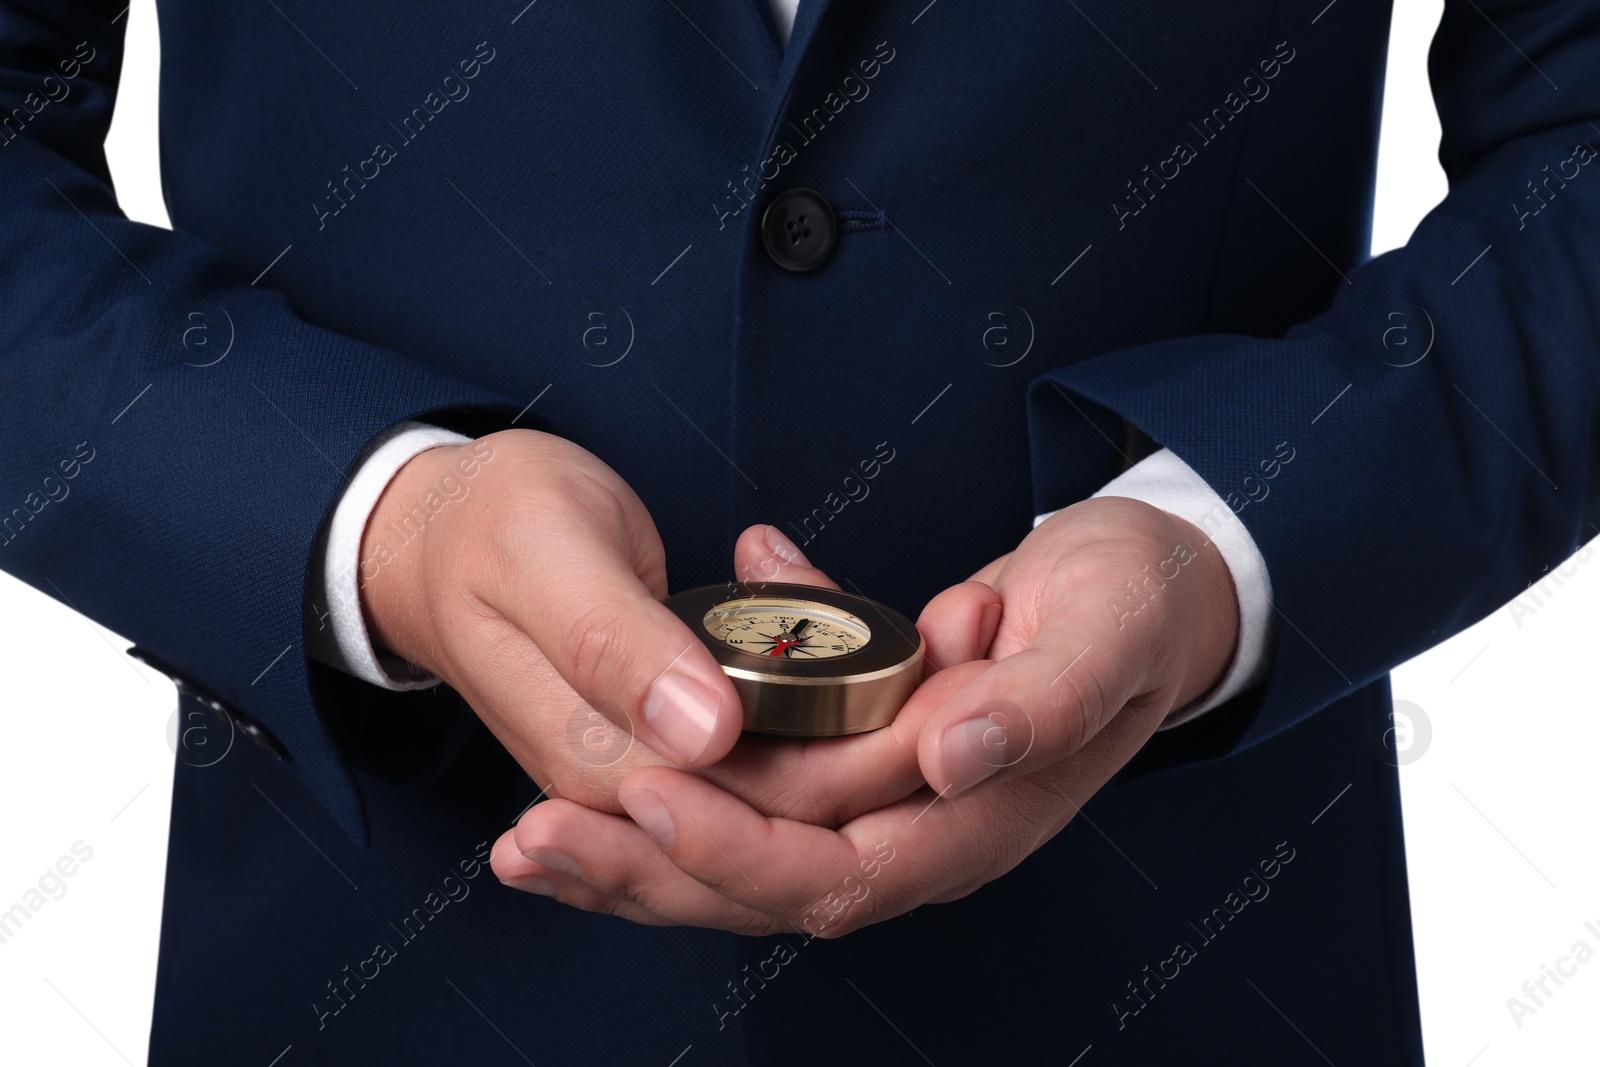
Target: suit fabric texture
x,y
397,211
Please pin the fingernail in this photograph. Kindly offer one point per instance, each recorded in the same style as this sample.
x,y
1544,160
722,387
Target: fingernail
x,y
532,883
988,626
682,712
650,812
555,859
972,751
784,548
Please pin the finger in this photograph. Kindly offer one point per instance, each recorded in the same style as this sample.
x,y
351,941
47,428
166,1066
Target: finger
x,y
529,876
774,866
764,554
605,863
551,732
959,624
623,651
827,781
826,882
824,780
1041,704
924,848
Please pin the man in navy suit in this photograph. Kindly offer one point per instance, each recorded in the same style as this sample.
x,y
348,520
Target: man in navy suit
x,y
1055,322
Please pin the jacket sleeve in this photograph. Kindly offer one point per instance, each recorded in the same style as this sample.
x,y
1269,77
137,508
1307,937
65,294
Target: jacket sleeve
x,y
176,503
1399,497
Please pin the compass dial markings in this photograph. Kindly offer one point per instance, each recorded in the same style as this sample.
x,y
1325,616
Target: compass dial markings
x,y
771,628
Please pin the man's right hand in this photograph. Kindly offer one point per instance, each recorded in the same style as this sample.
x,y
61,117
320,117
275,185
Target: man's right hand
x,y
535,592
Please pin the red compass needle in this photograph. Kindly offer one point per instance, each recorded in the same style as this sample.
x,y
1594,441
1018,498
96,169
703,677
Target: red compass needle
x,y
793,640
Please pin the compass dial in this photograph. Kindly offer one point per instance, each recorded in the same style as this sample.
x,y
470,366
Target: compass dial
x,y
782,628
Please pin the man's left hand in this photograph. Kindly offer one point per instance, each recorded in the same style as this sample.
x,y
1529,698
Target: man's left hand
x,y
1113,614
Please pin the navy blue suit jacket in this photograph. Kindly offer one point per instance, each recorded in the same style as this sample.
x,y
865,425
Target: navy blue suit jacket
x,y
411,210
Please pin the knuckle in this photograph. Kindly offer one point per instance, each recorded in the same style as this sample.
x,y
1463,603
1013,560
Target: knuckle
x,y
858,916
601,904
578,494
719,876
627,886
609,883
818,922
849,907
631,892
1077,710
592,646
756,924
794,795
648,888
550,502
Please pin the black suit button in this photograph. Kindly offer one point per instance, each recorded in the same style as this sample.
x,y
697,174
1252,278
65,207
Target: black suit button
x,y
799,230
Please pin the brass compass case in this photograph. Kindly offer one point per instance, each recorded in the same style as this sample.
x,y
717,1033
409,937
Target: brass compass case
x,y
806,661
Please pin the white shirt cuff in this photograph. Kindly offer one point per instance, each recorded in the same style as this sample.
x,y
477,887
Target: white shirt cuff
x,y
1163,480
341,639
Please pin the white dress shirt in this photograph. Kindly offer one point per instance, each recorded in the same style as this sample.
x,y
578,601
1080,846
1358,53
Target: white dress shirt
x,y
1161,480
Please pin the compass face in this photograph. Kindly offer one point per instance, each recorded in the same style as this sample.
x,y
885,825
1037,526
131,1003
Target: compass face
x,y
784,628
804,660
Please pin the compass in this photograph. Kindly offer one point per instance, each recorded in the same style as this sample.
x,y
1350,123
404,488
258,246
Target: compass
x,y
806,661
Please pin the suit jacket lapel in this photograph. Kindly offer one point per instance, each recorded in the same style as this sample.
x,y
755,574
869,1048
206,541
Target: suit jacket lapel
x,y
810,15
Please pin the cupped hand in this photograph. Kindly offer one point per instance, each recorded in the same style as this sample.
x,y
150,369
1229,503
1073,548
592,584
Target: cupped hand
x,y
1114,613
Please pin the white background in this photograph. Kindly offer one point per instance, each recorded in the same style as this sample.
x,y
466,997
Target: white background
x,y
1498,809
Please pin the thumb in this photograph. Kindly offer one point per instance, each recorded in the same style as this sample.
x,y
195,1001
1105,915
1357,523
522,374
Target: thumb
x,y
764,554
625,653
